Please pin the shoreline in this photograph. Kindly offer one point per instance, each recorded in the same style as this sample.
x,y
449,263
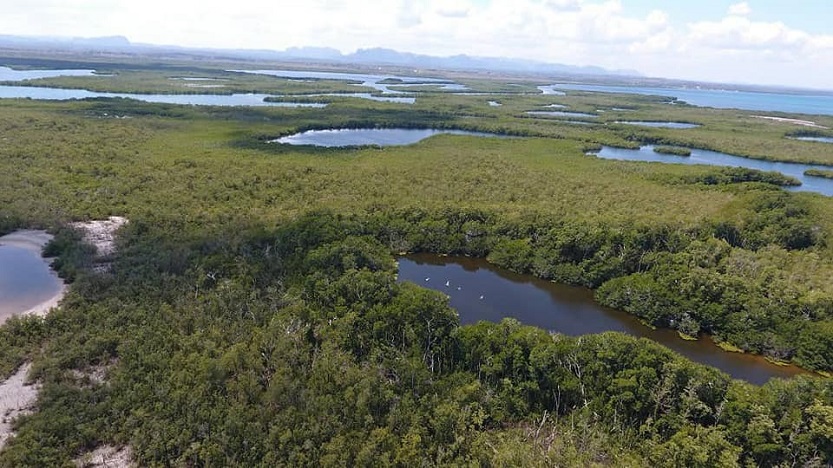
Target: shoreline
x,y
34,241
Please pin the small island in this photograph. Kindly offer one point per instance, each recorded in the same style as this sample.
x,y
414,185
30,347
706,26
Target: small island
x,y
825,173
672,150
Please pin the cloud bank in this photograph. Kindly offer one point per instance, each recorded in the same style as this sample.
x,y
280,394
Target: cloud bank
x,y
733,48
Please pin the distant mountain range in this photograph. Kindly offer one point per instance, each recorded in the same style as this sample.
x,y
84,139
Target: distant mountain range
x,y
373,56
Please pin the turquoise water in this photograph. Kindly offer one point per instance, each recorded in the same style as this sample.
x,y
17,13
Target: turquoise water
x,y
368,136
724,99
714,158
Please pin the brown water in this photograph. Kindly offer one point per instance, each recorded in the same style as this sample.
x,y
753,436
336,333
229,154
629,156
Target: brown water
x,y
480,291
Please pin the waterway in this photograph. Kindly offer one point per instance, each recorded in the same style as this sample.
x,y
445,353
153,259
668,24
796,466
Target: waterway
x,y
8,74
369,136
714,158
724,99
35,92
479,291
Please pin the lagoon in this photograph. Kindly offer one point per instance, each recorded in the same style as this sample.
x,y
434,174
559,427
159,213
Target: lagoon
x,y
714,158
561,114
641,123
8,74
815,139
27,283
724,99
371,81
33,92
481,291
334,138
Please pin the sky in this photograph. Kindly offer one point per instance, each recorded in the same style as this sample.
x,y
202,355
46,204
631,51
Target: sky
x,y
771,42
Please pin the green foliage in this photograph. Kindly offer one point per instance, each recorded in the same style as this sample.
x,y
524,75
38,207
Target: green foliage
x,y
672,150
253,318
819,173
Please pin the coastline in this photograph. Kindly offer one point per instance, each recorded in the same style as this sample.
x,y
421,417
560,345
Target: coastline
x,y
34,241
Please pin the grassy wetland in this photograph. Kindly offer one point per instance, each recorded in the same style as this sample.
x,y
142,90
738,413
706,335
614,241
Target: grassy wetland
x,y
252,316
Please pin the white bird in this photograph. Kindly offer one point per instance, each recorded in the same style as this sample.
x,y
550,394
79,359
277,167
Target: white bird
x,y
426,279
447,283
459,288
481,298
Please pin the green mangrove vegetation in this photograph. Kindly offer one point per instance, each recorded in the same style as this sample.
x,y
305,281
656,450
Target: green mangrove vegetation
x,y
672,150
252,314
827,174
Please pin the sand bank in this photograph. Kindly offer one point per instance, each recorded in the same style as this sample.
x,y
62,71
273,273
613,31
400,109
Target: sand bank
x,y
16,399
805,123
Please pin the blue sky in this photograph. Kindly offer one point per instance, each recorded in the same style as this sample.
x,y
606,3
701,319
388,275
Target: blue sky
x,y
813,16
774,42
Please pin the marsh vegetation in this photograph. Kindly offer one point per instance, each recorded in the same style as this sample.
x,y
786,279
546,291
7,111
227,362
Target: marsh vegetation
x,y
252,314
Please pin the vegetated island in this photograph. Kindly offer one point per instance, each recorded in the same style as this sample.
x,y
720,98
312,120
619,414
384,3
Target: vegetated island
x,y
672,150
825,173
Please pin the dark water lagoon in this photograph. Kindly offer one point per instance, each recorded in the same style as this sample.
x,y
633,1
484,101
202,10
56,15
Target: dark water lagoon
x,y
253,100
370,136
724,99
641,123
480,291
26,280
714,158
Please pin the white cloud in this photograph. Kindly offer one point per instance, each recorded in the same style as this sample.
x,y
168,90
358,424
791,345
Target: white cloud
x,y
581,32
740,9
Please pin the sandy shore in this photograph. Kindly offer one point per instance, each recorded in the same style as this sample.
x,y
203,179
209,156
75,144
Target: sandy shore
x,y
16,399
102,234
106,456
34,241
805,123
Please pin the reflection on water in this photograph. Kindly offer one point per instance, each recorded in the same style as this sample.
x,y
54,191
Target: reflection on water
x,y
25,279
380,83
561,114
725,99
642,123
7,74
32,92
480,291
714,158
551,91
816,139
369,136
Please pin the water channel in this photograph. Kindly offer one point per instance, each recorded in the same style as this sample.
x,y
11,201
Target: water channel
x,y
370,136
481,291
714,158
